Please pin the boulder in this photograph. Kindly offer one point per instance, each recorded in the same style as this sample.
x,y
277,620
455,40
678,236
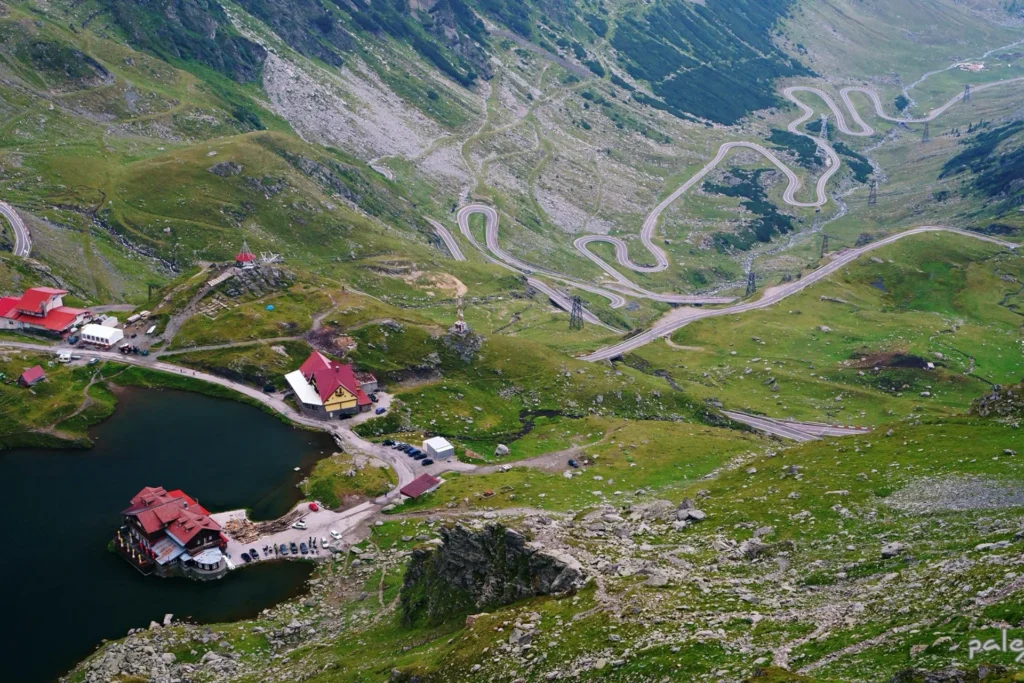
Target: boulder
x,y
893,549
477,570
501,450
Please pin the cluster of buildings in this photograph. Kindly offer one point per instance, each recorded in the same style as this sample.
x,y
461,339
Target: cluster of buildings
x,y
168,533
40,310
327,389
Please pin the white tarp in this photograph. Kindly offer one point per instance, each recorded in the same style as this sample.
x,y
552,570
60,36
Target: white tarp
x,y
99,334
303,390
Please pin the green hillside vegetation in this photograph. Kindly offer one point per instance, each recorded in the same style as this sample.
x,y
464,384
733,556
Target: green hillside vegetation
x,y
855,348
54,413
769,222
486,399
715,60
183,31
337,479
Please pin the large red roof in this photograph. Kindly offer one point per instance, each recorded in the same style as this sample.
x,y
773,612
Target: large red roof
x,y
33,299
189,524
420,485
176,512
28,309
56,320
328,375
7,304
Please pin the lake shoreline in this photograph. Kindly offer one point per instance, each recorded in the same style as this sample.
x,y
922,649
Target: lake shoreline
x,y
219,451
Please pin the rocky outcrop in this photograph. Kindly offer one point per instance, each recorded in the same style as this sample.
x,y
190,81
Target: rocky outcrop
x,y
1005,402
471,571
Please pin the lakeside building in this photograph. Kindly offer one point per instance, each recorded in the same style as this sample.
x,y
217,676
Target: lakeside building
x,y
40,310
171,534
326,389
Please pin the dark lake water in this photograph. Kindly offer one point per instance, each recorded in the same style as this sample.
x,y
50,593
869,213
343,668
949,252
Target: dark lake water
x,y
61,591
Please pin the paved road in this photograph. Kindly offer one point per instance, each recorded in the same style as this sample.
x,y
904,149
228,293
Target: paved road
x,y
678,318
833,164
790,429
406,468
22,238
449,240
562,300
862,128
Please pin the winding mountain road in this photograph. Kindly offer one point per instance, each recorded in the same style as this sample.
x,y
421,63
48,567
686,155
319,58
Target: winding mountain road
x,y
684,316
677,319
22,239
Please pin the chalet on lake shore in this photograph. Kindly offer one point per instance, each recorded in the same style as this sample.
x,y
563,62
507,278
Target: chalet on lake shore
x,y
327,389
171,534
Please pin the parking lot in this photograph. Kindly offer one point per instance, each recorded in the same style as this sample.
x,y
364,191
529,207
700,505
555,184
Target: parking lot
x,y
319,525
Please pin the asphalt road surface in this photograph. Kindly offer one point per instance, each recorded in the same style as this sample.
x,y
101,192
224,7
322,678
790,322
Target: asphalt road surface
x,y
22,239
684,316
795,431
832,166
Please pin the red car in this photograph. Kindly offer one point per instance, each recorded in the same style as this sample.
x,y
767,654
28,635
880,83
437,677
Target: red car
x,y
314,507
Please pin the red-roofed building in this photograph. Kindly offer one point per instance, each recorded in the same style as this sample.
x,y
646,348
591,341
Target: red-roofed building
x,y
32,376
40,309
171,534
420,486
328,389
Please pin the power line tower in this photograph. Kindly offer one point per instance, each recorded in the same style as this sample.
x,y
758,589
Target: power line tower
x,y
926,134
873,194
751,283
824,245
967,93
576,314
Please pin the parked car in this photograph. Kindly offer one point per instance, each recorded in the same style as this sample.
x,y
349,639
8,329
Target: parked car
x,y
335,535
373,398
294,548
573,464
253,554
299,525
419,456
73,340
283,549
93,361
246,558
324,542
314,507
381,411
388,442
304,549
427,461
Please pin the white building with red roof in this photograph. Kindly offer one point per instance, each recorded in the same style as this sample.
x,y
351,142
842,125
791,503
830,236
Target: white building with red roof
x,y
41,310
327,389
170,534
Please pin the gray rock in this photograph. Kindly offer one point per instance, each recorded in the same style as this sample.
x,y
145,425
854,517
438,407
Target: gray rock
x,y
487,568
501,450
893,549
